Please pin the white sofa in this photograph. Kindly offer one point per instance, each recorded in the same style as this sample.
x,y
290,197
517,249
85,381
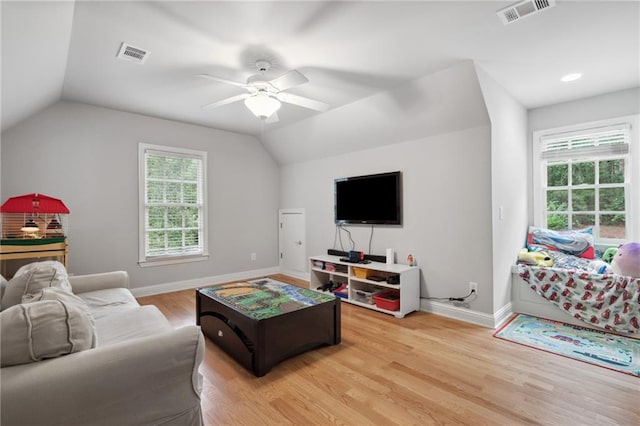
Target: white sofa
x,y
142,370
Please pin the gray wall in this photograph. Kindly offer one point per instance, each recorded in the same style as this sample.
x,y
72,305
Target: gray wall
x,y
446,202
88,157
509,165
439,137
609,105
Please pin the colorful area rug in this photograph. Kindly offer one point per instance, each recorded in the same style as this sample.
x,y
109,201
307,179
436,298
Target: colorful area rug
x,y
619,353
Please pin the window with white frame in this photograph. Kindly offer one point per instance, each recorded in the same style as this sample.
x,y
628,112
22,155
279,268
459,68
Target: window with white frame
x,y
172,204
582,178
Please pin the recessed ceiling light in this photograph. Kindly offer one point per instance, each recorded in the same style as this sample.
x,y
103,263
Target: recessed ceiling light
x,y
571,77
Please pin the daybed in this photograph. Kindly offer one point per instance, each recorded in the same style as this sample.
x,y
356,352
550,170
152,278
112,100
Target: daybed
x,y
576,289
107,361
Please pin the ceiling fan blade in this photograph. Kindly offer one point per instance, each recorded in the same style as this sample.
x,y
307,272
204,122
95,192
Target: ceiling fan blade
x,y
303,102
227,101
291,79
222,80
273,118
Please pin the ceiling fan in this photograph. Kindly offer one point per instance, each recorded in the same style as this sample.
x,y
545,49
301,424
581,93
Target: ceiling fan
x,y
265,97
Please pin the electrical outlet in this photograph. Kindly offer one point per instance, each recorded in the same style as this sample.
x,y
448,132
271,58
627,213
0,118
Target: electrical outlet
x,y
254,256
473,287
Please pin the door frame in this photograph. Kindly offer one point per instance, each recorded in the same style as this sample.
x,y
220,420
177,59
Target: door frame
x,y
304,273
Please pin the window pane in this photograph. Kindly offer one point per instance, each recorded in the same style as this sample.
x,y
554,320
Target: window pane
x,y
174,217
156,217
612,171
557,175
583,173
612,199
583,199
155,166
191,238
613,226
557,200
557,221
174,192
583,221
190,193
191,217
174,168
155,192
191,170
175,239
156,240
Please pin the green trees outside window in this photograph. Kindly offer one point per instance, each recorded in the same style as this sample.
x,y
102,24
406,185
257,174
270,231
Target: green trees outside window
x,y
587,193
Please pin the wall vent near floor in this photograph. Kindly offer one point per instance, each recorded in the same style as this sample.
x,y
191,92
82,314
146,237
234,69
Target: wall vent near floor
x,y
132,54
523,9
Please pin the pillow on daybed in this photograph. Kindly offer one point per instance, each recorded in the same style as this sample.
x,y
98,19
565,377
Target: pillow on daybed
x,y
576,242
34,277
40,330
567,261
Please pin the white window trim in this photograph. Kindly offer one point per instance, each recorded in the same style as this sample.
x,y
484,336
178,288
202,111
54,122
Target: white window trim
x,y
632,194
142,259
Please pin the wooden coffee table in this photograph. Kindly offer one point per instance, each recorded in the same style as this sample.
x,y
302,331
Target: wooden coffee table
x,y
263,322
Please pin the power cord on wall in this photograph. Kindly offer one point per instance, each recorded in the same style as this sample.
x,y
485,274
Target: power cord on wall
x,y
353,244
453,299
339,234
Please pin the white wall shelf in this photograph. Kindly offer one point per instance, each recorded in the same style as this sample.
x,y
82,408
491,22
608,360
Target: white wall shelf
x,y
408,287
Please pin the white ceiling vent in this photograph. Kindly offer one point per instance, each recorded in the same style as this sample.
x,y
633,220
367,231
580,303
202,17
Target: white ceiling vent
x,y
133,54
523,9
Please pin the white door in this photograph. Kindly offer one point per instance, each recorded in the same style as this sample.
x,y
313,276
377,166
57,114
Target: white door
x,y
293,247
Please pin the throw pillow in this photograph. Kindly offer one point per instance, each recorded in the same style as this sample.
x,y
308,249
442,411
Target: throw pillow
x,y
34,277
576,242
54,293
41,330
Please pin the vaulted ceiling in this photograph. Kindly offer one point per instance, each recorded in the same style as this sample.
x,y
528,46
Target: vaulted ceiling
x,y
347,50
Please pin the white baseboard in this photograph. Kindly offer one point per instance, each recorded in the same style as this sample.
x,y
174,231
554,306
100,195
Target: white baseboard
x,y
502,315
201,282
456,312
300,275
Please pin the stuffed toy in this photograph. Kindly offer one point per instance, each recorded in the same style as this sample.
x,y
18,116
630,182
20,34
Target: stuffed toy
x,y
627,260
535,258
608,254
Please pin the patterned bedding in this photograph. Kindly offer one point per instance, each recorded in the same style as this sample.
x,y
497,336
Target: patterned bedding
x,y
606,300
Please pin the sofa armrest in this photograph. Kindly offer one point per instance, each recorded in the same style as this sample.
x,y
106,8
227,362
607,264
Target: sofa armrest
x,y
152,380
102,281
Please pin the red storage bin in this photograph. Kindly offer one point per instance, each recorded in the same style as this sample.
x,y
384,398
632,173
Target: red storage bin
x,y
342,292
389,300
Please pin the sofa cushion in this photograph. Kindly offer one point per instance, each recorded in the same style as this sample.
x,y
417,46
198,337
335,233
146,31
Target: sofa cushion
x,y
131,323
32,278
54,293
102,303
41,330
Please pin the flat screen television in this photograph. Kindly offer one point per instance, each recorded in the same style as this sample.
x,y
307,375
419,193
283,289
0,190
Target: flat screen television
x,y
371,199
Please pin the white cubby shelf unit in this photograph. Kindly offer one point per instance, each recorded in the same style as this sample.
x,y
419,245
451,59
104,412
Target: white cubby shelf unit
x,y
408,286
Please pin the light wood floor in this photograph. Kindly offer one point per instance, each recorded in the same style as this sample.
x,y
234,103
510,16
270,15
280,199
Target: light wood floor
x,y
420,370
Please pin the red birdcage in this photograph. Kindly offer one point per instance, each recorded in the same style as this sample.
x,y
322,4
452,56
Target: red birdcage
x,y
34,216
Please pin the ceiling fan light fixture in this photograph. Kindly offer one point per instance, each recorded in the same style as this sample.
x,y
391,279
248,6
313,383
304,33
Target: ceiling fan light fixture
x,y
262,105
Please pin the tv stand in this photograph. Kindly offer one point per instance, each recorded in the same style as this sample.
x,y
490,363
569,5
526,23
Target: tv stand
x,y
345,272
